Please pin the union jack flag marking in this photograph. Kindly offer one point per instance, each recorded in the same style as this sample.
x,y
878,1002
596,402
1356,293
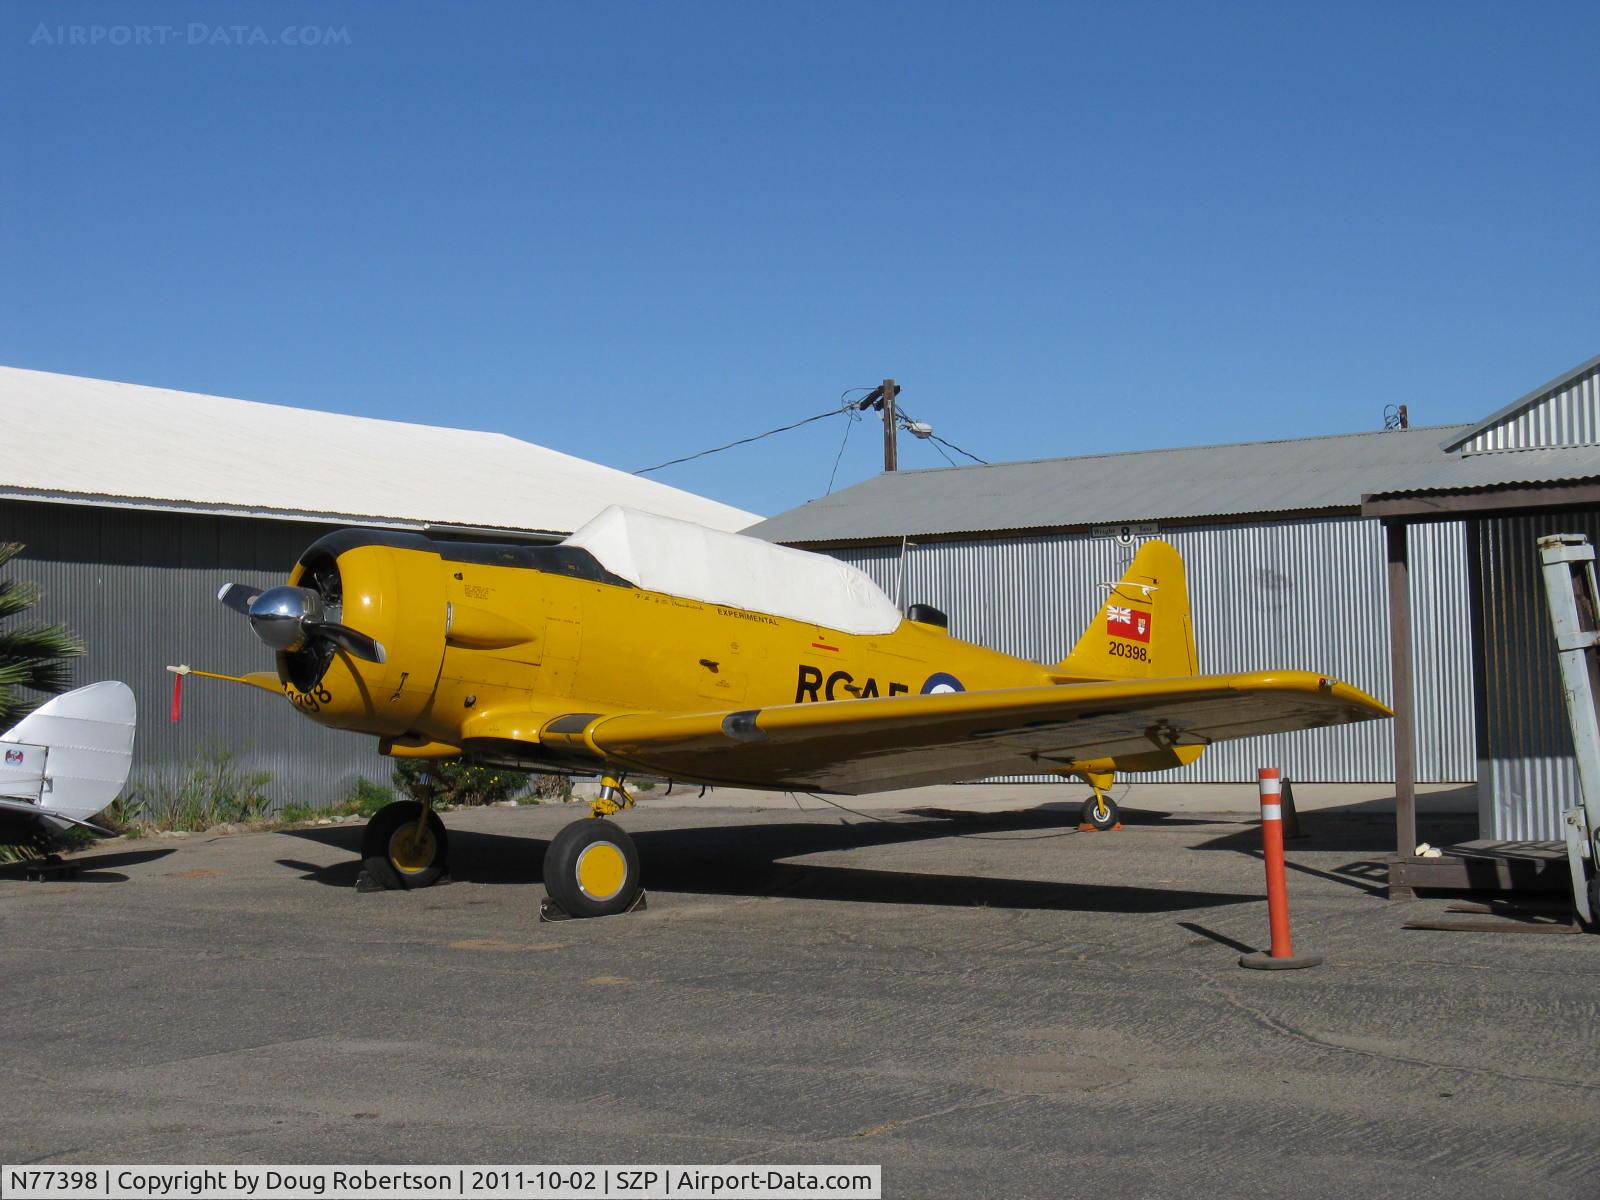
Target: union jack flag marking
x,y
1130,623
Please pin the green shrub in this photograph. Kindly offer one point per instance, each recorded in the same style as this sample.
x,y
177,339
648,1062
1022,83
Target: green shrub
x,y
548,787
455,783
366,797
212,790
123,814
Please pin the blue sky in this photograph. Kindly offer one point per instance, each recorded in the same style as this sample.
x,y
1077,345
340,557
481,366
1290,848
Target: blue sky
x,y
631,231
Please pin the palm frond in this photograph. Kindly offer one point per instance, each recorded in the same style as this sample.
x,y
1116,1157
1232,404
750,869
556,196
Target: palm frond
x,y
38,641
16,596
36,657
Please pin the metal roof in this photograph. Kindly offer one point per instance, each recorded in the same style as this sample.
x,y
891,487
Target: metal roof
x,y
1305,474
76,440
1456,440
1509,468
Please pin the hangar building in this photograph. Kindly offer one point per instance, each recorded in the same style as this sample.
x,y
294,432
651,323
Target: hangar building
x,y
137,503
1290,547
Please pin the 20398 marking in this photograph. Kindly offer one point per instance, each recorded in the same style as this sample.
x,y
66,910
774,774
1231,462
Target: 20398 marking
x,y
1128,650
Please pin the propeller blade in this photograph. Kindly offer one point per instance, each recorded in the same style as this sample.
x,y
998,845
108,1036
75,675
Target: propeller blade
x,y
351,640
238,596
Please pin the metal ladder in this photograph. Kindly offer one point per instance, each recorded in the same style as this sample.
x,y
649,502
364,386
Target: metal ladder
x,y
1569,585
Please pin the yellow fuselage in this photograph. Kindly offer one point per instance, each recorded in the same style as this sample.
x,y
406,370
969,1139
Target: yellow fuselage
x,y
491,642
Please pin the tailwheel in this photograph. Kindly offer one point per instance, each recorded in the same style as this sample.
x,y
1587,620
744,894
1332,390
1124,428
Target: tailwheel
x,y
1100,812
592,869
402,848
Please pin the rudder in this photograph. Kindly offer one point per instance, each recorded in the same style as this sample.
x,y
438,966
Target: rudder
x,y
1143,630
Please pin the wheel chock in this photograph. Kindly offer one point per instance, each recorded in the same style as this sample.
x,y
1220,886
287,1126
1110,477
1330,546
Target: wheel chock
x,y
550,912
371,881
49,870
377,881
1088,828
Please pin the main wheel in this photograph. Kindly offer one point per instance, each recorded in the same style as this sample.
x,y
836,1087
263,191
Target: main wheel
x,y
1100,811
592,869
395,851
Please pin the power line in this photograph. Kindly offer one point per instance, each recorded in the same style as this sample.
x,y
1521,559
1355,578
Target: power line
x,y
931,436
944,456
855,415
851,409
832,412
982,462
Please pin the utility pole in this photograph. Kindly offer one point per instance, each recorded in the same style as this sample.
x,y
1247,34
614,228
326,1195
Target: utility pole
x,y
891,454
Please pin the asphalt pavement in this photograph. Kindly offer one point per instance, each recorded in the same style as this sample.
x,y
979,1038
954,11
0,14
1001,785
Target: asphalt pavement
x,y
985,1003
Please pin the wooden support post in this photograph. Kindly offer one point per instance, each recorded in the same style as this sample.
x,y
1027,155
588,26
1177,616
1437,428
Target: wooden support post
x,y
1404,705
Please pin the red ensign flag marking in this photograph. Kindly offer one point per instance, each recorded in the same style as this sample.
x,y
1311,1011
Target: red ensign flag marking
x,y
1130,623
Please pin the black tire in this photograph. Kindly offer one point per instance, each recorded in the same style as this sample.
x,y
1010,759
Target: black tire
x,y
1594,903
1090,814
389,859
592,869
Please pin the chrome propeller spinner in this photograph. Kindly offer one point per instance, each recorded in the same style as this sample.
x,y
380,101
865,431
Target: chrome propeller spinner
x,y
289,619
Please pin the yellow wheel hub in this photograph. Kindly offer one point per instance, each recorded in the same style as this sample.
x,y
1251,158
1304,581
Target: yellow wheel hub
x,y
411,850
602,871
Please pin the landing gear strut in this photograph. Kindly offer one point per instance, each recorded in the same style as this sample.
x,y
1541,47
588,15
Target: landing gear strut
x,y
592,867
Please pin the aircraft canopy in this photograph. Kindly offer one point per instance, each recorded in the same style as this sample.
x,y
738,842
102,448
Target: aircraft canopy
x,y
662,554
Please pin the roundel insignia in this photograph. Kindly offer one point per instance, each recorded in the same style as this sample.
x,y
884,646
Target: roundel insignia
x,y
940,682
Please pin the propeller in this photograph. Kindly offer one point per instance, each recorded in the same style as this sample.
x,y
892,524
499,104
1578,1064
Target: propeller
x,y
289,618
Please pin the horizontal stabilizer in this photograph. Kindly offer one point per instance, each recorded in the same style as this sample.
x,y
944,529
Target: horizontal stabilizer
x,y
88,738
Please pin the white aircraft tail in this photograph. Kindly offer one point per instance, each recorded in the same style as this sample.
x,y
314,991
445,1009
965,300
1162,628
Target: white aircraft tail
x,y
68,758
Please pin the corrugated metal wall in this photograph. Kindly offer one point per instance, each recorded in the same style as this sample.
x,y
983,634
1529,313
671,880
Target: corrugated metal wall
x,y
1527,773
140,588
1308,594
1569,417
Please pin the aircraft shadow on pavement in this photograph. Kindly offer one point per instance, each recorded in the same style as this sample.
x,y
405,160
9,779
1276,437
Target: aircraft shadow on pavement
x,y
94,868
1348,832
751,860
1057,814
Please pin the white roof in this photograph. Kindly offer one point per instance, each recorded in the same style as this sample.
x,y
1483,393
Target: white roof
x,y
683,559
70,438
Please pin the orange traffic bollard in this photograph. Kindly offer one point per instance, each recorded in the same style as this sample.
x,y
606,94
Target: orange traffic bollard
x,y
1282,956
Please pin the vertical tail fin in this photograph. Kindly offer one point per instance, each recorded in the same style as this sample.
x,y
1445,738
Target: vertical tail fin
x,y
1143,630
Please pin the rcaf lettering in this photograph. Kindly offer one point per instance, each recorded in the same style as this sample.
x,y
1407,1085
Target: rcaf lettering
x,y
811,686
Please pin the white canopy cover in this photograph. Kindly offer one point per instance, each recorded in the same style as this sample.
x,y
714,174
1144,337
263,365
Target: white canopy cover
x,y
662,554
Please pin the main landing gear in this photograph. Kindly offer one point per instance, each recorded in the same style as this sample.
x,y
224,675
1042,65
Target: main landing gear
x,y
592,867
405,846
1099,813
590,870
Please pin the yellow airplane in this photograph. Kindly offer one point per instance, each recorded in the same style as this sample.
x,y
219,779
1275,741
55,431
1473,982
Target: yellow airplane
x,y
648,647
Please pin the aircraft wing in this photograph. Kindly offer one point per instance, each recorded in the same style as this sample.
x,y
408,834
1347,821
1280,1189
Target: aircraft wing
x,y
859,746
